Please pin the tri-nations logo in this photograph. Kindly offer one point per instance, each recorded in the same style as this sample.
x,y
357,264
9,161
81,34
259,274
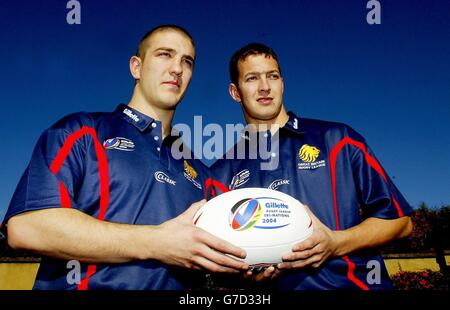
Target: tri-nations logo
x,y
119,143
308,155
239,179
261,212
245,214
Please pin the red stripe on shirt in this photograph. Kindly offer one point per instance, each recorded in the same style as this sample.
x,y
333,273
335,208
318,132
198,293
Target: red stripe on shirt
x,y
351,275
84,284
377,167
213,184
103,177
64,196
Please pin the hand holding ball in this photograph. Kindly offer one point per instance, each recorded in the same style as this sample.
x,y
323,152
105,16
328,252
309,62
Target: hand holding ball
x,y
264,222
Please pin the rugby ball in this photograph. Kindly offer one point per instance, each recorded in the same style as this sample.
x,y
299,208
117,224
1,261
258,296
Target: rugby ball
x,y
264,222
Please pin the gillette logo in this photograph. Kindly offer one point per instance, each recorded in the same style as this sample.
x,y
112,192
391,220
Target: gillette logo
x,y
271,205
131,115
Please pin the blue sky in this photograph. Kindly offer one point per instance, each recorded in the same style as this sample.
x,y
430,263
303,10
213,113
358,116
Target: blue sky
x,y
390,82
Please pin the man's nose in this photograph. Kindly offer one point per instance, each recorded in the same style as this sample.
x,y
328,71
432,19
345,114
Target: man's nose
x,y
264,85
176,68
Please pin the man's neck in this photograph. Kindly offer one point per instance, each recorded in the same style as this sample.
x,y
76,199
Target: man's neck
x,y
164,116
274,124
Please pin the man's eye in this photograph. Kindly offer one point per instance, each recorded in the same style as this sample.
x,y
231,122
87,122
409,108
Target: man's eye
x,y
164,54
274,76
189,63
251,78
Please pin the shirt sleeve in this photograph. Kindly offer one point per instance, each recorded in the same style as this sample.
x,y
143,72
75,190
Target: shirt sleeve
x,y
52,176
378,195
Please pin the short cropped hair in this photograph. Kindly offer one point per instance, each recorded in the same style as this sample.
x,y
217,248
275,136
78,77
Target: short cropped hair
x,y
244,52
142,43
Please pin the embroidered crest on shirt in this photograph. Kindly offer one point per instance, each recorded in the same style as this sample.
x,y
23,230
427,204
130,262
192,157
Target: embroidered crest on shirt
x,y
308,156
191,174
119,143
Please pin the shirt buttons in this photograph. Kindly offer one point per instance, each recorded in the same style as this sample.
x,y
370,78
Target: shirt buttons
x,y
158,149
265,135
156,138
274,154
153,125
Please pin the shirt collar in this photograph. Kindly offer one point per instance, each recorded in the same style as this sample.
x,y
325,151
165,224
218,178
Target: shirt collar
x,y
293,124
142,121
134,117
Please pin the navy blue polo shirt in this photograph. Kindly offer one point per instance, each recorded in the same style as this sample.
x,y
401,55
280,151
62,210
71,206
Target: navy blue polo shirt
x,y
115,167
330,168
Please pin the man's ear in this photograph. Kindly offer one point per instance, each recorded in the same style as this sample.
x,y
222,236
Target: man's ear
x,y
135,67
234,92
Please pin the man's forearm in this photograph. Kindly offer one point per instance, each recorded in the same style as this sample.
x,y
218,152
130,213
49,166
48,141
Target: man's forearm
x,y
71,234
371,233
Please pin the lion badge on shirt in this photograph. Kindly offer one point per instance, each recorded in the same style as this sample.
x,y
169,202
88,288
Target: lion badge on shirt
x,y
309,158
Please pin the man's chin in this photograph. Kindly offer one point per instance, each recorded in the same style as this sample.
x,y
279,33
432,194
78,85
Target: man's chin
x,y
170,101
266,115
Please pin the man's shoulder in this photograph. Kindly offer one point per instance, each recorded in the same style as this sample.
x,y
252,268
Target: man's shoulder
x,y
332,132
77,125
323,125
76,121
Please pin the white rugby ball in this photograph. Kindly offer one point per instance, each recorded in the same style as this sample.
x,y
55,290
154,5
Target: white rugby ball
x,y
264,222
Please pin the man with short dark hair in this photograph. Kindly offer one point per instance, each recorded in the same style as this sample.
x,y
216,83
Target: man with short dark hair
x,y
104,189
329,167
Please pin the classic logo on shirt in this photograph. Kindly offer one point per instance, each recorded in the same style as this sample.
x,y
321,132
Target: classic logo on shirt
x,y
119,143
277,183
191,174
164,178
308,155
240,179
